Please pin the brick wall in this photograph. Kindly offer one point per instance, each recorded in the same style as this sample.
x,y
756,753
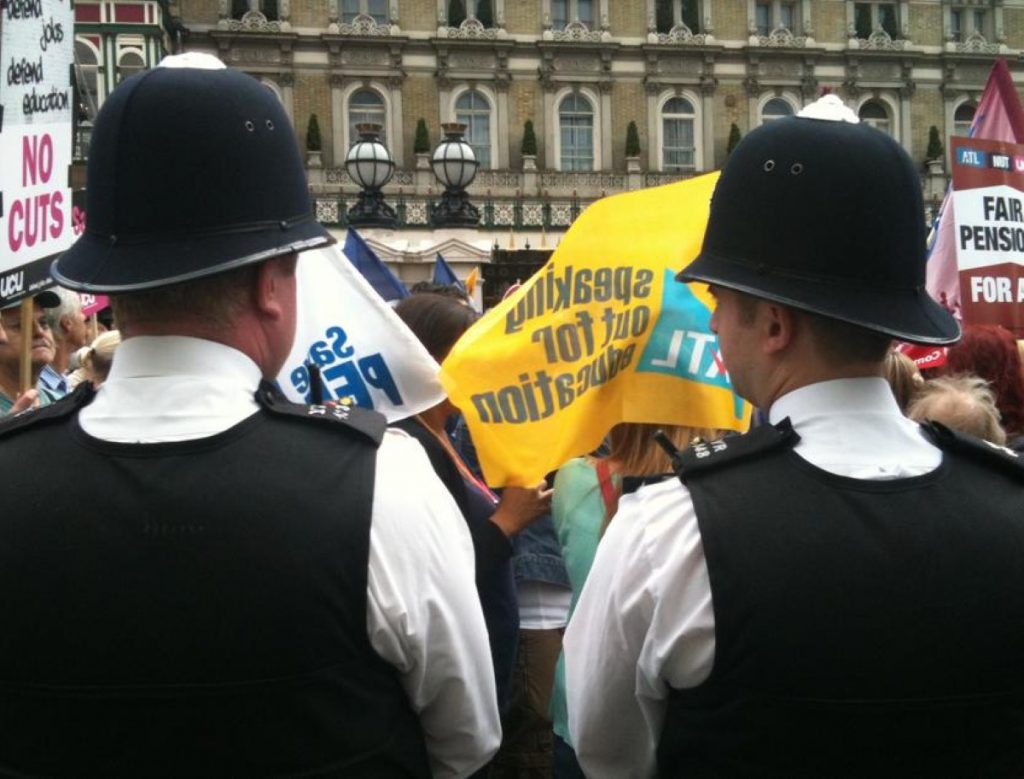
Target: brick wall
x,y
629,103
926,109
417,15
311,13
525,101
730,106
627,17
730,20
524,16
419,100
311,94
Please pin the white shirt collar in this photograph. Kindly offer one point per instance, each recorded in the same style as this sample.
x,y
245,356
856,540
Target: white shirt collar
x,y
172,388
854,427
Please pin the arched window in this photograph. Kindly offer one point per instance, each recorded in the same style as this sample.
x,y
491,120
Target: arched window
x,y
473,110
87,80
776,108
376,9
565,11
459,11
268,8
874,113
669,13
576,133
678,147
963,118
129,63
365,105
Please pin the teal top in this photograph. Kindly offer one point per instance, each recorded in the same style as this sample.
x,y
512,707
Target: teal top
x,y
577,510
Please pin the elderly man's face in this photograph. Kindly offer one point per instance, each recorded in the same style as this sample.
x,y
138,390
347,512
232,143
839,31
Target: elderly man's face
x,y
41,337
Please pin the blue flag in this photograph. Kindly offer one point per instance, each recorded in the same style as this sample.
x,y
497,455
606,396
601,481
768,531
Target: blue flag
x,y
443,274
373,268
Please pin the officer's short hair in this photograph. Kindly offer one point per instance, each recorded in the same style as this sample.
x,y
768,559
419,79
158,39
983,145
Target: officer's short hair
x,y
217,299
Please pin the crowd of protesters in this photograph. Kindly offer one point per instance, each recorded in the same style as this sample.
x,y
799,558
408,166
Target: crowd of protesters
x,y
254,587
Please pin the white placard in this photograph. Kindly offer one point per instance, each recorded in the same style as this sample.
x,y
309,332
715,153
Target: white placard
x,y
37,99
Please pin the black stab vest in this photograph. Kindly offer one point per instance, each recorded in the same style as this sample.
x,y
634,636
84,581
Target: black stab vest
x,y
862,628
195,608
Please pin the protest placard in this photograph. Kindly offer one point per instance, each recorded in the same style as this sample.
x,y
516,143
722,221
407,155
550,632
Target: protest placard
x,y
362,351
602,334
36,112
988,209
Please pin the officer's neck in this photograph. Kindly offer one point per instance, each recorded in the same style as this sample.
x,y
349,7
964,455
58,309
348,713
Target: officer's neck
x,y
791,377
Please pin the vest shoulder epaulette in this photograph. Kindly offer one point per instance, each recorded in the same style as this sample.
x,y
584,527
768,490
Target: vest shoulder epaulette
x,y
59,409
977,449
364,422
703,456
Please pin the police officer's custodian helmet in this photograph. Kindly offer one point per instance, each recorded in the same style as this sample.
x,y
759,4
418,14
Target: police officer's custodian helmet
x,y
193,169
825,215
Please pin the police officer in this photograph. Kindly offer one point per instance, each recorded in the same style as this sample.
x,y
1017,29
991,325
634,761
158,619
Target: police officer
x,y
226,584
838,593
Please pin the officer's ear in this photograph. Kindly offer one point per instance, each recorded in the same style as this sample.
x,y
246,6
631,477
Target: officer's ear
x,y
275,287
778,325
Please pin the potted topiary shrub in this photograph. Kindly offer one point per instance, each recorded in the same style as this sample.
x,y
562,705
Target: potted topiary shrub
x,y
632,148
933,156
529,147
314,148
421,145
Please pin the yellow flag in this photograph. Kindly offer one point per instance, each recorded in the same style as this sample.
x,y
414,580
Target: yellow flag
x,y
602,334
471,280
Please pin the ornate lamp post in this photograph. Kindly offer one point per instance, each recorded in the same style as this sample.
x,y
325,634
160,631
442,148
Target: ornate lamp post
x,y
369,164
454,165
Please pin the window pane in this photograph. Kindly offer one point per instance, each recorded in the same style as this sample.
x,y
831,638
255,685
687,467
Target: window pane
x,y
677,148
691,15
862,20
473,110
787,17
576,122
378,9
559,13
664,18
963,118
485,13
456,12
239,8
269,9
763,18
366,106
956,25
887,19
775,109
585,11
678,105
873,110
979,22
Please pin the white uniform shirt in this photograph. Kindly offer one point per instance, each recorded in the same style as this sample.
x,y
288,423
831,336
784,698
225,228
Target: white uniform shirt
x,y
645,621
423,613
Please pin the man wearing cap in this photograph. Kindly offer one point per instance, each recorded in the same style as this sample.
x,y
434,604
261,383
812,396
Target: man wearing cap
x,y
12,399
227,584
839,592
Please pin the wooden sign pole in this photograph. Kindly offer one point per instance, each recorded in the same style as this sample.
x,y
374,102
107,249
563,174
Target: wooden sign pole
x,y
27,333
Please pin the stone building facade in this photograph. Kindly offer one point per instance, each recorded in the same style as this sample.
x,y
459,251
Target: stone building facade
x,y
690,74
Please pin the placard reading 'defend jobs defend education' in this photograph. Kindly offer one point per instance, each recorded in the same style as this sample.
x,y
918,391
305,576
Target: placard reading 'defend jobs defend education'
x,y
37,100
988,211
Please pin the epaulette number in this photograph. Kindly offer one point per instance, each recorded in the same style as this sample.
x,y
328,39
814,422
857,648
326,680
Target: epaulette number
x,y
706,449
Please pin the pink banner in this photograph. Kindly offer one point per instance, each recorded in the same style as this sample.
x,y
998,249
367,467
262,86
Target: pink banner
x,y
999,117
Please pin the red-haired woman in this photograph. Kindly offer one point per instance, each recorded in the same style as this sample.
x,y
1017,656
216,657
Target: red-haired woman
x,y
990,351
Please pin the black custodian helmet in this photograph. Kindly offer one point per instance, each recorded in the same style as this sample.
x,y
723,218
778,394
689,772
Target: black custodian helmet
x,y
193,170
825,215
